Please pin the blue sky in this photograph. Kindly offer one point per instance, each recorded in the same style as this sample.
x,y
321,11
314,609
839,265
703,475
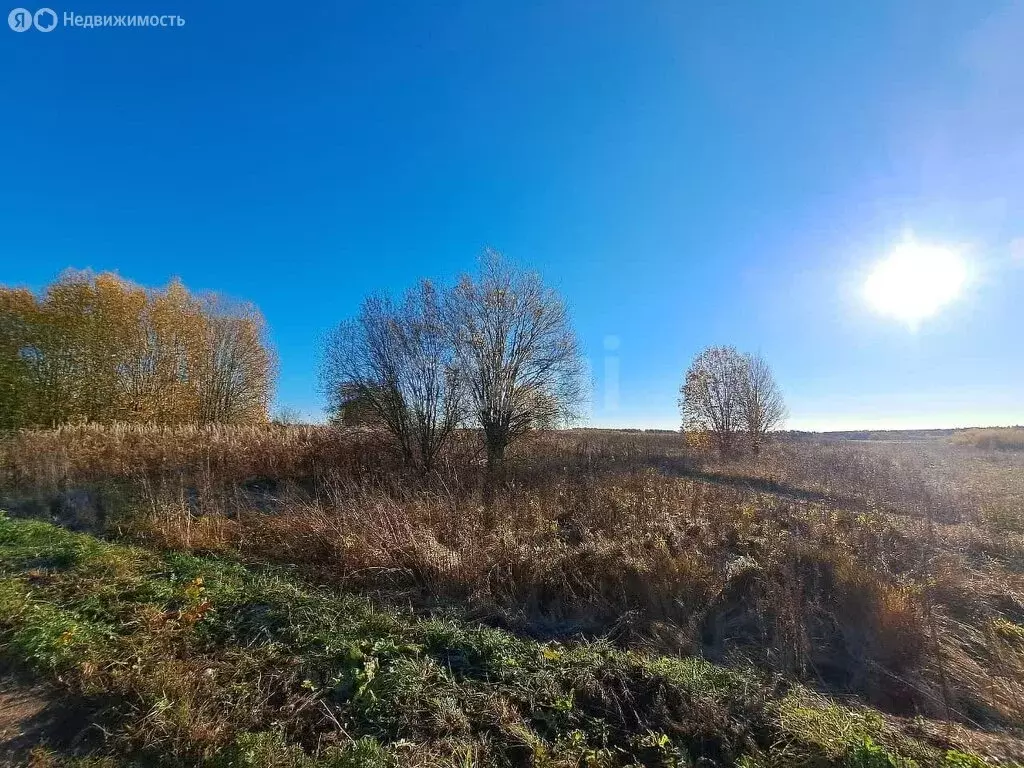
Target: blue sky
x,y
685,173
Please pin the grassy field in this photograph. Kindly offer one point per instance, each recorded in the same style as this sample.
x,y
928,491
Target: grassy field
x,y
1008,439
288,596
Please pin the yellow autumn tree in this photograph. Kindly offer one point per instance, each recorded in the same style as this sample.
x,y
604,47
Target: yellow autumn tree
x,y
17,309
100,348
231,363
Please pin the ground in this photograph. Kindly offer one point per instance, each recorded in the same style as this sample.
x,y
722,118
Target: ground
x,y
34,714
292,597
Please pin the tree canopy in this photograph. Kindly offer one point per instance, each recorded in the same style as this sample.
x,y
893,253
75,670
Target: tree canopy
x,y
96,347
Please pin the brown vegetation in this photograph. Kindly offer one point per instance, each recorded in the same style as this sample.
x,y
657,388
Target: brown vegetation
x,y
994,438
873,570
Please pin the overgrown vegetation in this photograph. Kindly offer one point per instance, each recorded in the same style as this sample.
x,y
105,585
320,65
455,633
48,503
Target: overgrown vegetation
x,y
889,574
205,661
1001,439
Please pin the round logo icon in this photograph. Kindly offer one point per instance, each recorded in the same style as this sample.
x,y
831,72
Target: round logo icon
x,y
20,19
45,20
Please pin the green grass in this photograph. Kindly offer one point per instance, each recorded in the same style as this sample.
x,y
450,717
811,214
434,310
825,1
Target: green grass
x,y
207,661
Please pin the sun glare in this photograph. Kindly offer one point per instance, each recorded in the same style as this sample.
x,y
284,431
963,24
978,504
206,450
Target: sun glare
x,y
915,281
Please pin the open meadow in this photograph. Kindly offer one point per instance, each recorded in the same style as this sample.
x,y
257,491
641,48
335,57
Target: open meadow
x,y
455,385
295,596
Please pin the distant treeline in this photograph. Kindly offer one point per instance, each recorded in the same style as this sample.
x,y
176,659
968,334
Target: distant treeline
x,y
97,348
872,434
627,430
993,437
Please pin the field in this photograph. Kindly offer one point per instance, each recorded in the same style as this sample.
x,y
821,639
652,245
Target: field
x,y
290,596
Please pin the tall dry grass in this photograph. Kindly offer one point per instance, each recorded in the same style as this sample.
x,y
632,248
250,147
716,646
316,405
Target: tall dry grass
x,y
865,569
230,454
992,438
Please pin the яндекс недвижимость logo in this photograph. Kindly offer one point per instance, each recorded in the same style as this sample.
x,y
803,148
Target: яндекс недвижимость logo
x,y
22,19
46,20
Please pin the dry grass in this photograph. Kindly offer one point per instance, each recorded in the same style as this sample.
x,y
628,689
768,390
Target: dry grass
x,y
89,453
890,571
186,660
998,439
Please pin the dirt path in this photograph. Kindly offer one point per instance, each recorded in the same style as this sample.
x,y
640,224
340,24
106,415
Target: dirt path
x,y
21,713
33,715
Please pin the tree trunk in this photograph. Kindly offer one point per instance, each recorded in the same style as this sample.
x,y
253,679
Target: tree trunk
x,y
495,454
492,478
496,439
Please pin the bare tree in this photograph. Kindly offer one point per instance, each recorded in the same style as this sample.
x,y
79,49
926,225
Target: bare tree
x,y
399,362
710,397
517,351
761,403
286,416
234,365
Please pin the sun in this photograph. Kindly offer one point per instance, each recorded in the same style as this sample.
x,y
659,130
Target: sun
x,y
915,281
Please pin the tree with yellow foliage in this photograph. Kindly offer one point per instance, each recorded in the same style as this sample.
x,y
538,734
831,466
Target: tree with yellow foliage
x,y
100,348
